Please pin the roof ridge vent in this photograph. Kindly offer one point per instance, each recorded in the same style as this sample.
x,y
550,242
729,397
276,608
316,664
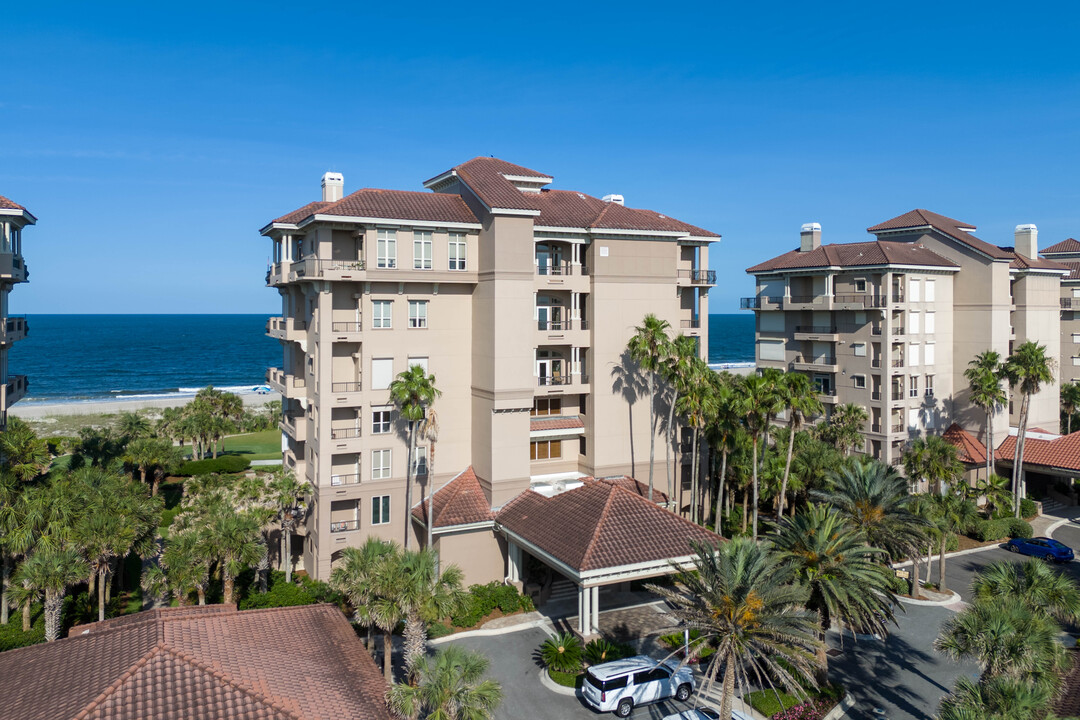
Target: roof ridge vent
x,y
617,199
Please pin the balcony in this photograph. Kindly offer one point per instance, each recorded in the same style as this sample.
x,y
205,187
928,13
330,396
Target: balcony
x,y
295,426
761,303
876,330
822,333
345,440
572,331
808,302
13,391
694,323
289,386
876,395
897,362
339,480
274,275
344,526
898,297
570,384
316,269
897,395
1067,303
897,461
876,428
347,331
13,329
286,329
858,302
820,364
875,363
697,277
13,268
897,428
897,331
826,395
561,276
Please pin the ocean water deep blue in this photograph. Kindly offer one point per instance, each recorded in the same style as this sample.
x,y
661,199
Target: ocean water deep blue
x,y
91,357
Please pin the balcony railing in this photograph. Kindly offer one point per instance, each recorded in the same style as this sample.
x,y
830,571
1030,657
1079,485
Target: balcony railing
x,y
757,303
555,380
869,301
699,277
561,325
898,362
898,297
563,268
345,387
344,526
897,330
336,480
929,392
876,427
897,395
818,329
815,361
692,323
897,461
899,428
875,330
344,433
347,327
1067,303
876,395
876,362
313,267
827,392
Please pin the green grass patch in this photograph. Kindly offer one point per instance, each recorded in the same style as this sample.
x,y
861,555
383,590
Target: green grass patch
x,y
766,702
571,680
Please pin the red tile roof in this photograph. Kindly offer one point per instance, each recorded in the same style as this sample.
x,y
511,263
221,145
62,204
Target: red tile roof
x,y
1022,262
555,423
198,662
1068,245
632,485
1074,270
570,209
6,204
600,525
461,501
851,255
969,449
953,228
1067,701
1062,452
390,204
486,177
302,214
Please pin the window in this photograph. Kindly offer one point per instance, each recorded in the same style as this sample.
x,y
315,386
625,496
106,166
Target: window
x,y
859,349
546,406
860,380
419,466
380,509
929,386
545,450
929,421
418,313
380,421
929,356
386,245
913,290
930,294
457,251
913,354
422,362
1076,338
380,464
913,323
381,313
1076,361
581,445
930,323
771,350
860,286
1076,292
913,388
421,250
382,373
913,419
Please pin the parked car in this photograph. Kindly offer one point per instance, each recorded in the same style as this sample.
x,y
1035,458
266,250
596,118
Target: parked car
x,y
1042,547
622,685
704,714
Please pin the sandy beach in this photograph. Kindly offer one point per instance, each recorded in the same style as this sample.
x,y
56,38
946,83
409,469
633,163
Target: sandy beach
x,y
39,410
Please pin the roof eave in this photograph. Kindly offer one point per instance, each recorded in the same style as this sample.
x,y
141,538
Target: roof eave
x,y
366,220
840,268
20,213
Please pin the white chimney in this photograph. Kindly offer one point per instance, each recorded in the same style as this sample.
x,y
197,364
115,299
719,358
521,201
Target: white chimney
x,y
617,199
333,186
810,237
1027,241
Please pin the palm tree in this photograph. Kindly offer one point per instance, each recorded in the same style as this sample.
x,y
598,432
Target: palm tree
x,y
1007,639
1035,584
676,368
739,599
844,430
413,391
183,568
984,375
953,513
757,403
449,686
132,425
233,540
722,434
287,497
10,521
357,576
49,573
1070,400
698,404
152,456
648,348
933,459
430,432
996,491
1029,368
1000,698
22,452
802,402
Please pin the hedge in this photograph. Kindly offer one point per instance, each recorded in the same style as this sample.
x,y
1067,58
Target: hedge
x,y
483,599
1027,508
1019,528
765,702
302,591
223,464
572,680
987,530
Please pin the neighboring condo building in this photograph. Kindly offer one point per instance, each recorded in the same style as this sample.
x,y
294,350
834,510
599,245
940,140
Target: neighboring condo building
x,y
1067,252
520,299
13,218
892,324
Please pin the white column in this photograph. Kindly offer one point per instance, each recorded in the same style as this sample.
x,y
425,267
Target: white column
x,y
583,610
595,606
514,556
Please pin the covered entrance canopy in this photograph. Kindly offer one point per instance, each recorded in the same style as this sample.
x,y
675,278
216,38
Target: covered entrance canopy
x,y
598,534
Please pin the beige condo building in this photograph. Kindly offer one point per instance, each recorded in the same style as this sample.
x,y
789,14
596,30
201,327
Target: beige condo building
x,y
892,324
13,218
519,298
1067,253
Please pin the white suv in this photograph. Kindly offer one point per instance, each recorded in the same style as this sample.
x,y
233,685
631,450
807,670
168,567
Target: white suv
x,y
622,685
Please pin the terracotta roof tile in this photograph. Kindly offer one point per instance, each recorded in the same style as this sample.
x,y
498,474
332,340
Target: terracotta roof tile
x,y
302,214
1068,245
1062,452
1074,270
1067,701
632,485
6,204
461,501
969,449
1022,262
851,255
953,228
555,423
486,178
601,525
403,205
179,663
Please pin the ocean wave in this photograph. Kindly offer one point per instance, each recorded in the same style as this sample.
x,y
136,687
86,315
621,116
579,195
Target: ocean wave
x,y
114,395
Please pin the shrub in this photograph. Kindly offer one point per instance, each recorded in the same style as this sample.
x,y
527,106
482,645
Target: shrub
x,y
303,591
809,710
698,651
223,464
1018,528
56,444
562,653
482,600
952,543
12,636
1027,508
766,703
602,651
566,679
438,630
987,530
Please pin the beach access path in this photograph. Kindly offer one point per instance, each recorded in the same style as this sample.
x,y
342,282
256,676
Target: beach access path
x,y
38,410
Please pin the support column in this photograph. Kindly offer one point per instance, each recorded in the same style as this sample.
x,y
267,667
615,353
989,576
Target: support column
x,y
584,610
595,605
513,553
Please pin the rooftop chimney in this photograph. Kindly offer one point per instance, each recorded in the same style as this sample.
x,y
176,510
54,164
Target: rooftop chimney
x,y
333,186
617,199
1027,241
810,237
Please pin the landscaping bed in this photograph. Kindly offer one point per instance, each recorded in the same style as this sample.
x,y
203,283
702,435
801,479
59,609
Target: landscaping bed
x,y
779,705
485,603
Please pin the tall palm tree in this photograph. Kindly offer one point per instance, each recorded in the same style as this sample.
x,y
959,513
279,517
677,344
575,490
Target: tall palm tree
x,y
722,433
648,348
1033,583
1029,367
357,575
675,369
233,540
183,568
22,452
845,427
449,686
1070,400
995,489
845,577
984,375
413,391
739,599
933,459
153,457
758,402
802,402
287,498
698,404
952,513
430,432
1000,698
49,573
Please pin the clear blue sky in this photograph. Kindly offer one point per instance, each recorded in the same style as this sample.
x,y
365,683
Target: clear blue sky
x,y
153,142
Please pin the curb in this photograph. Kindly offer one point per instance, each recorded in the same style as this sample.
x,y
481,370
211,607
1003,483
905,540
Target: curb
x,y
957,553
841,708
492,631
931,603
1054,526
556,687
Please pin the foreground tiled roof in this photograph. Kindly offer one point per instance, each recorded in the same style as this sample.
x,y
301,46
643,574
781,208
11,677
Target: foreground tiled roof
x,y
392,205
572,422
851,255
632,485
1062,452
953,228
601,525
6,204
1068,245
460,502
969,449
294,663
1067,701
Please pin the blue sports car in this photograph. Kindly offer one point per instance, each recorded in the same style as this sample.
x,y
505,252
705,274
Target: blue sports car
x,y
1041,547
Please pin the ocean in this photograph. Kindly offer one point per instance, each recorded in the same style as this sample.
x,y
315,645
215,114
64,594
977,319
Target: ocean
x,y
96,357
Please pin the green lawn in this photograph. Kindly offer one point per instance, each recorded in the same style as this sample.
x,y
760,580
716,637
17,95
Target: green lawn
x,y
264,445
